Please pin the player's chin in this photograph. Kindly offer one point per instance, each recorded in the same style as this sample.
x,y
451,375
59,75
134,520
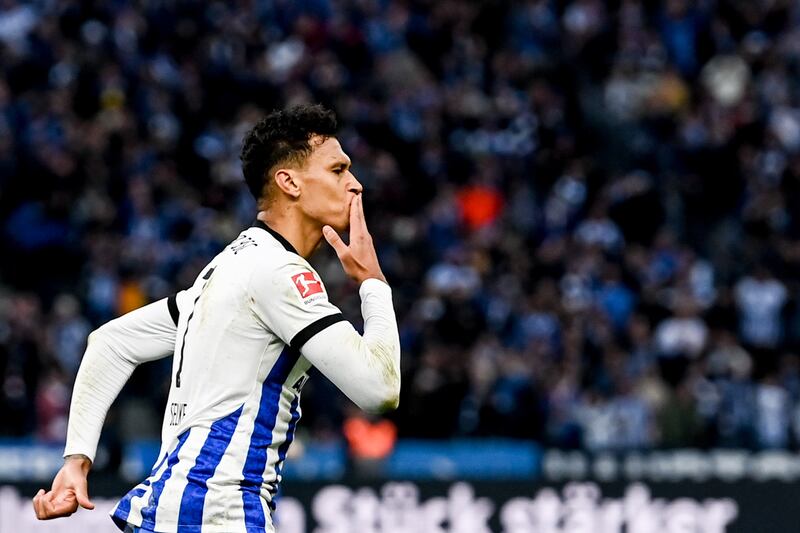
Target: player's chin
x,y
339,224
342,222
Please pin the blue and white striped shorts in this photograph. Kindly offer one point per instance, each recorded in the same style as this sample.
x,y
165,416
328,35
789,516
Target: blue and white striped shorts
x,y
136,529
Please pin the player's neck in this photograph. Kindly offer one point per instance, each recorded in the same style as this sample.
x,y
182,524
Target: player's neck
x,y
301,233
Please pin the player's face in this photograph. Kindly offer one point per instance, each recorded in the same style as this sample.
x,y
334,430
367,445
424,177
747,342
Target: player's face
x,y
328,186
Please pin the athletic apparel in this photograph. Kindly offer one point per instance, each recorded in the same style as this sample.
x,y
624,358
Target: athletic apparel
x,y
247,331
112,353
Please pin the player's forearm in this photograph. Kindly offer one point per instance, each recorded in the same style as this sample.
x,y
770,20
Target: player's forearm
x,y
366,372
382,338
113,352
366,368
102,375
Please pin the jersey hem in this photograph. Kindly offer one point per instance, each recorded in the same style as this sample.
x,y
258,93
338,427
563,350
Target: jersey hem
x,y
122,523
182,528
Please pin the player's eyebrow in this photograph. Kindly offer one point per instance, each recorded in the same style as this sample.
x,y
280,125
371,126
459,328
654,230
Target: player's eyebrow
x,y
338,162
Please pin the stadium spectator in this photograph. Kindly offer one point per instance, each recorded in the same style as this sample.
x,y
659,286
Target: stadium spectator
x,y
589,209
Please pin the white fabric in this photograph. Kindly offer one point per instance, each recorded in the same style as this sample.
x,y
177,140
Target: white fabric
x,y
112,353
681,336
373,358
228,425
760,304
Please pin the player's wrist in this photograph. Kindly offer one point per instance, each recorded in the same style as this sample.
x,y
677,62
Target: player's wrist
x,y
80,461
370,285
375,275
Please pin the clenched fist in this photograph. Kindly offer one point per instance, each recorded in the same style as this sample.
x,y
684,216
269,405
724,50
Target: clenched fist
x,y
70,490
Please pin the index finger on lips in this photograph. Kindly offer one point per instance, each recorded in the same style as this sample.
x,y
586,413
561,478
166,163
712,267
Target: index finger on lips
x,y
354,223
360,215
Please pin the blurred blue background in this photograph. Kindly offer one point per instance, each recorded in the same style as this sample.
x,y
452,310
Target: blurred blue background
x,y
589,211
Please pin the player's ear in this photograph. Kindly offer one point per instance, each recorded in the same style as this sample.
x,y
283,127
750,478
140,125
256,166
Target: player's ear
x,y
286,181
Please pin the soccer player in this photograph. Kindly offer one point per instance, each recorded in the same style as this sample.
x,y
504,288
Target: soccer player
x,y
243,337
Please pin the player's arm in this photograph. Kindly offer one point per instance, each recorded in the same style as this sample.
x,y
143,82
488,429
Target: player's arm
x,y
366,368
113,351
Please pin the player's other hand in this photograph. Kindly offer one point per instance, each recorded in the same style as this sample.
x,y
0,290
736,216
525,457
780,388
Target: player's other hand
x,y
70,489
358,258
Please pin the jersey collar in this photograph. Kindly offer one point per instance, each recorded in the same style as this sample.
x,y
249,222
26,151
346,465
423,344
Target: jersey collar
x,y
278,237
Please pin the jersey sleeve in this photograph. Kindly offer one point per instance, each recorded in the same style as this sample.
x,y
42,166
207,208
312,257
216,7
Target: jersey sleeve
x,y
292,302
364,367
112,353
144,334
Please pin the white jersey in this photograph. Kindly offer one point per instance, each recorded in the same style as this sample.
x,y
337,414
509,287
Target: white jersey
x,y
233,405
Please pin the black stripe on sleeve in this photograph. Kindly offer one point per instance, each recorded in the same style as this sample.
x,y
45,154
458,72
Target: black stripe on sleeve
x,y
172,305
305,334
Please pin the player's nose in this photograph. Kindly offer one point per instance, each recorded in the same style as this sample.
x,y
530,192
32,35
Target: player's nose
x,y
355,186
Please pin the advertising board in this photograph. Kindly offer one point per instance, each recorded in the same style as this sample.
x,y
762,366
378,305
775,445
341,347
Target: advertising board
x,y
482,507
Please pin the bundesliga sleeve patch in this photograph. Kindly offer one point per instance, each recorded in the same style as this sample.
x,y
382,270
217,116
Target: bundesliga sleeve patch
x,y
309,288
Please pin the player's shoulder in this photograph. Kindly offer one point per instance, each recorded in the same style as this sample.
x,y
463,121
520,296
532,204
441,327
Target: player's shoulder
x,y
267,258
266,251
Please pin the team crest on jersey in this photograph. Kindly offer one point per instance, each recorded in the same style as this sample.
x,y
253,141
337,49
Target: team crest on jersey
x,y
308,286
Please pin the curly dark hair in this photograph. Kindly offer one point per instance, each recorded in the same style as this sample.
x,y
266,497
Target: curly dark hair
x,y
282,137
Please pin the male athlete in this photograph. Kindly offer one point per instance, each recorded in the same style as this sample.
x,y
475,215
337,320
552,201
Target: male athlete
x,y
243,337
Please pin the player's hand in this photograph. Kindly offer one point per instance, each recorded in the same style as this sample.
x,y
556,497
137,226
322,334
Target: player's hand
x,y
359,259
70,489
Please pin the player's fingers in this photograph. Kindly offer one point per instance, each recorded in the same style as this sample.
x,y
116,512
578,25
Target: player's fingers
x,y
45,508
358,228
37,504
57,507
355,221
335,241
362,220
42,508
360,211
83,498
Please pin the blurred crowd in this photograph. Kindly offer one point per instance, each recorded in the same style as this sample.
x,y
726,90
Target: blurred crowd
x,y
589,210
